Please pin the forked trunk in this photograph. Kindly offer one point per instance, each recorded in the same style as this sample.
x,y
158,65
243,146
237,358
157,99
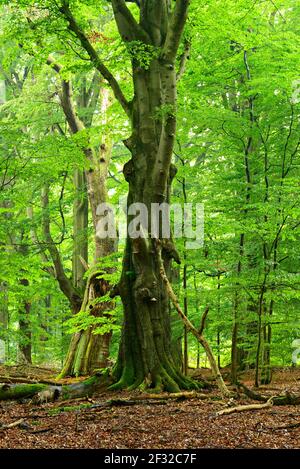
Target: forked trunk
x,y
89,351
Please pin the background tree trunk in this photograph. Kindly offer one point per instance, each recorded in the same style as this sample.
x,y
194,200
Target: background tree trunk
x,y
80,230
25,328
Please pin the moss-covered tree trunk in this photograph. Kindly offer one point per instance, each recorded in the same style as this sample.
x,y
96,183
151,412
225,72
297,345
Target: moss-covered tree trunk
x,y
47,393
89,351
146,355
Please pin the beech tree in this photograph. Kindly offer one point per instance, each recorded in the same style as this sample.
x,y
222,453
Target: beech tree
x,y
145,354
234,137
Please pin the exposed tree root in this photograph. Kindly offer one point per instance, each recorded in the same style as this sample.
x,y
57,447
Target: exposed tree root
x,y
287,399
243,408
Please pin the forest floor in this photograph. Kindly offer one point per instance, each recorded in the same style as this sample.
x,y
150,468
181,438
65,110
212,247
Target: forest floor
x,y
182,424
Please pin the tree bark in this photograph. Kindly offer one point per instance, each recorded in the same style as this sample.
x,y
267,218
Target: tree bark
x,y
80,233
47,393
25,327
88,351
145,356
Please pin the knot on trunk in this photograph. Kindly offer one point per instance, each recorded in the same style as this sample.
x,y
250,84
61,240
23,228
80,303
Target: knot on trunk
x,y
128,170
172,172
170,251
146,295
128,142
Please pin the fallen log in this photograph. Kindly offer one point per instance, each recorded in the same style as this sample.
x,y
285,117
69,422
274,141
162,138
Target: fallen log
x,y
43,393
16,379
40,430
243,408
20,391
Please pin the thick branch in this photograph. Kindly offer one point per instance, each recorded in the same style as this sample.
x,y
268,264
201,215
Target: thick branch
x,y
66,99
175,30
86,44
203,319
93,92
134,31
245,408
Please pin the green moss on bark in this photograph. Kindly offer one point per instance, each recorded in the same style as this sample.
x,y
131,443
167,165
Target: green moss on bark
x,y
20,391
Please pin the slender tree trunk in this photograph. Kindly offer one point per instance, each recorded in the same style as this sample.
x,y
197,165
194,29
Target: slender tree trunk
x,y
25,327
266,375
80,230
185,294
260,313
3,322
235,328
185,309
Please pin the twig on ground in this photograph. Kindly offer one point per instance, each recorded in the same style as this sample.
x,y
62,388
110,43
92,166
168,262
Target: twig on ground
x,y
243,408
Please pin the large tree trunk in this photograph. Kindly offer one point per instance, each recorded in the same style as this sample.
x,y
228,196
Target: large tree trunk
x,y
145,354
89,351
